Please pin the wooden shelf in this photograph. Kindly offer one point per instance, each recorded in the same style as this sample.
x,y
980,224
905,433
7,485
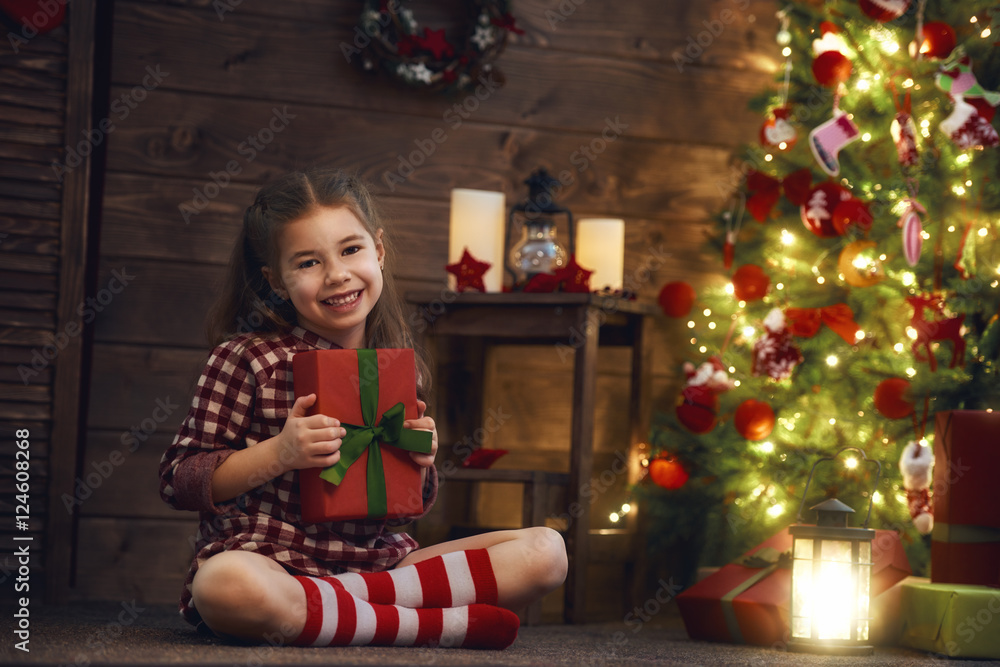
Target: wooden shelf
x,y
577,324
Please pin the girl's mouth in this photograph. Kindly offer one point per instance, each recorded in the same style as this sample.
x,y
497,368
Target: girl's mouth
x,y
345,302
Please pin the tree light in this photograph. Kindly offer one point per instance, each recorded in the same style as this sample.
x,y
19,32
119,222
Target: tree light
x,y
787,237
730,289
691,324
851,462
614,517
749,331
776,510
983,232
832,360
866,136
707,312
767,446
910,372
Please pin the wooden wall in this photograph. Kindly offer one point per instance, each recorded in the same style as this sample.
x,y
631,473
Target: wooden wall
x,y
224,76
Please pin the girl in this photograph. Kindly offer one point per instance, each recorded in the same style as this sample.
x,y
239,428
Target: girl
x,y
308,272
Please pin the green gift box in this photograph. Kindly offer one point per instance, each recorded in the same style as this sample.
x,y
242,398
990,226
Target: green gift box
x,y
957,620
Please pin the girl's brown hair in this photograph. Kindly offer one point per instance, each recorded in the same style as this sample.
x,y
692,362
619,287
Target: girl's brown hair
x,y
247,303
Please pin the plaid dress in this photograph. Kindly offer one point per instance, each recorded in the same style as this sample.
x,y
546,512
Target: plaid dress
x,y
244,397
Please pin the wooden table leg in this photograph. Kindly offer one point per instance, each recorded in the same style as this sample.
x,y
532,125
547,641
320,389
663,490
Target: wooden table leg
x,y
581,466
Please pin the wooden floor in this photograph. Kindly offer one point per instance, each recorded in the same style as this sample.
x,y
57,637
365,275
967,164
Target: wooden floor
x,y
131,634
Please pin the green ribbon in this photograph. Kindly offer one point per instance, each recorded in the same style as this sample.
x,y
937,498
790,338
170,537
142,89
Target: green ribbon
x,y
768,559
389,430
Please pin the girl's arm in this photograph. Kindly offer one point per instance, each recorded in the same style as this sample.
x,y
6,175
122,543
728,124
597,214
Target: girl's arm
x,y
304,442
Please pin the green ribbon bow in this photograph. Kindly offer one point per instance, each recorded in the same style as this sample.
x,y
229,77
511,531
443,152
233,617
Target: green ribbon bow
x,y
389,430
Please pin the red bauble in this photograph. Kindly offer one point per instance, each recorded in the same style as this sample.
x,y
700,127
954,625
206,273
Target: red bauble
x,y
696,409
851,211
831,68
667,472
884,10
939,40
676,299
889,400
817,212
750,283
754,419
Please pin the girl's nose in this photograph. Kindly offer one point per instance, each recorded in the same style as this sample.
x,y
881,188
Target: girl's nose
x,y
337,273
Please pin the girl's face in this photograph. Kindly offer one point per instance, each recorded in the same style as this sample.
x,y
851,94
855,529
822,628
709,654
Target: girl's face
x,y
330,268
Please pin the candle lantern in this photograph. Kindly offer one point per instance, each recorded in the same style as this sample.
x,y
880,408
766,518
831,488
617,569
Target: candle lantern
x,y
538,250
831,578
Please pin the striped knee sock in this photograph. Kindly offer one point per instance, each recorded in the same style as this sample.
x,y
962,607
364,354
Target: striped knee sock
x,y
334,617
451,580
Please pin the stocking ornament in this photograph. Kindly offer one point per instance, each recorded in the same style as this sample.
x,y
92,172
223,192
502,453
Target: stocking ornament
x,y
777,131
775,353
916,465
884,10
904,131
827,139
968,129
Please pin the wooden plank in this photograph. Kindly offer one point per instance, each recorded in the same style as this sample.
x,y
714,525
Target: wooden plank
x,y
23,371
22,336
27,171
19,411
66,385
648,30
29,301
124,464
26,318
34,136
141,559
29,263
29,153
628,177
28,227
28,282
279,58
46,103
130,383
30,209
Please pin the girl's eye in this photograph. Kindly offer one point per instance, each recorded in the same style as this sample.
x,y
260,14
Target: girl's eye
x,y
306,264
350,250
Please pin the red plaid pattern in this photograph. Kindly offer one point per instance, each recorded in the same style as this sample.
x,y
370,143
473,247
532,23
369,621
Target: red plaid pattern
x,y
244,397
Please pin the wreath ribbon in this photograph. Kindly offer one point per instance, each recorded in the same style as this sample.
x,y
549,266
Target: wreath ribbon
x,y
369,436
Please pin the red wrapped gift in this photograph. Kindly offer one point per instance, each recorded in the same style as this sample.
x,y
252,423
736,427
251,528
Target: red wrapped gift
x,y
747,601
965,544
371,392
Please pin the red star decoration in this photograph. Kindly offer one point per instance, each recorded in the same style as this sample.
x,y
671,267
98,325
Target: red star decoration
x,y
406,45
434,41
468,273
507,22
574,278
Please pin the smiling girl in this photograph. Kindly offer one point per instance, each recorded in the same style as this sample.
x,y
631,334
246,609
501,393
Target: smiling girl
x,y
308,272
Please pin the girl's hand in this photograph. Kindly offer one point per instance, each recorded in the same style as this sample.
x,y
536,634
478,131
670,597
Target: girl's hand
x,y
423,423
308,442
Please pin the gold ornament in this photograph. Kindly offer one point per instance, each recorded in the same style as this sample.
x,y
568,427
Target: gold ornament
x,y
860,268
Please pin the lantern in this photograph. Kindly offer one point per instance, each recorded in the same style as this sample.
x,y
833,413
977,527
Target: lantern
x,y
538,250
831,578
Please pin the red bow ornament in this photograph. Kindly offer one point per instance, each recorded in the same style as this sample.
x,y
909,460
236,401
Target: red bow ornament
x,y
805,322
764,191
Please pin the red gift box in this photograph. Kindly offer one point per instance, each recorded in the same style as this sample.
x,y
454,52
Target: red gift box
x,y
965,544
747,601
341,379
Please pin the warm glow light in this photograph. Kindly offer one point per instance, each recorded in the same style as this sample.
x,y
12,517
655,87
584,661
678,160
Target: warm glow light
x,y
908,83
889,47
779,286
958,190
711,325
910,372
866,136
908,278
614,517
787,237
985,33
820,279
832,360
706,312
851,462
776,510
864,84
787,51
898,347
703,349
600,246
730,289
626,508
911,333
859,335
833,421
478,223
876,497
983,232
963,159
767,447
749,331
691,324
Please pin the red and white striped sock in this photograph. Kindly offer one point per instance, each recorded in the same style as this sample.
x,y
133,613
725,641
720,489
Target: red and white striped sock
x,y
450,580
334,617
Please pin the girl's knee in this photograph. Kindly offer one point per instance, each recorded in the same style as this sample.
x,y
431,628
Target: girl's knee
x,y
230,590
548,553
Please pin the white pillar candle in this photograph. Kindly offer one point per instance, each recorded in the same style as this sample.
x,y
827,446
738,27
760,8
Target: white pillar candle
x,y
600,247
478,221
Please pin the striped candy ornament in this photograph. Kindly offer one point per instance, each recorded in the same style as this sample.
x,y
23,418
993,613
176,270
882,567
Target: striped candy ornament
x,y
913,230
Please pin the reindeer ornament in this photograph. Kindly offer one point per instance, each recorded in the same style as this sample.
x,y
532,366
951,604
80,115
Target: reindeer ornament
x,y
937,328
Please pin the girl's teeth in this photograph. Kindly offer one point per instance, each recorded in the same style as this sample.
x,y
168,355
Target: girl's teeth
x,y
343,301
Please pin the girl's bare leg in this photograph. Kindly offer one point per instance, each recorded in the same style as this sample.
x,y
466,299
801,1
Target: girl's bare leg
x,y
248,596
527,563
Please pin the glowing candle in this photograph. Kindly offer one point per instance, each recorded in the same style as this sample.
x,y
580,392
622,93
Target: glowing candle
x,y
600,247
478,224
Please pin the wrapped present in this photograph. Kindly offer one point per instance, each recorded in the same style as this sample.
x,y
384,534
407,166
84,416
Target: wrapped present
x,y
956,620
747,601
371,392
965,543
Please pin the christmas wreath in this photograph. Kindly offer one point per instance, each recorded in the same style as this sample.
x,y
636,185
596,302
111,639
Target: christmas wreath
x,y
393,42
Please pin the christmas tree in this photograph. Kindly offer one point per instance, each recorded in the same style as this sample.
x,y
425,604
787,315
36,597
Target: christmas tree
x,y
862,282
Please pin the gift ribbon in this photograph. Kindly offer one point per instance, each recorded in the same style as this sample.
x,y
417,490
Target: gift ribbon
x,y
805,322
769,556
960,534
765,191
389,430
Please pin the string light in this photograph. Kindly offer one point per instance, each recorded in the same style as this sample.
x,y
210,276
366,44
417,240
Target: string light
x,y
730,289
851,462
832,360
910,372
767,446
787,237
776,510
